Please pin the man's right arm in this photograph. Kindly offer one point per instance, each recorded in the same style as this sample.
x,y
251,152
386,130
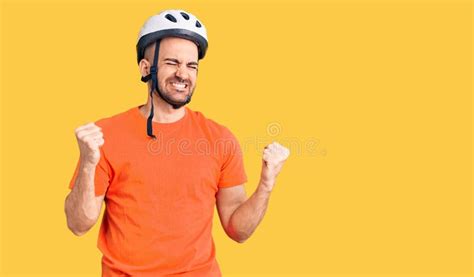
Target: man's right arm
x,y
82,207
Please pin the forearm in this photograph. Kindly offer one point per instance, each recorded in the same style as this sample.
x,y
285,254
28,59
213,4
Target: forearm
x,y
249,214
81,205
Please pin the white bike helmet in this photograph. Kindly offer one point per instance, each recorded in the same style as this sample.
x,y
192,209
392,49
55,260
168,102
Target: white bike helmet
x,y
169,23
172,23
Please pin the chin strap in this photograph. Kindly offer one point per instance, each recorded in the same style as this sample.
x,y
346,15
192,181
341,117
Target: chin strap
x,y
154,84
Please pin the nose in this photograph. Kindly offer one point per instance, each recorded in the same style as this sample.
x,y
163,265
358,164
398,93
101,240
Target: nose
x,y
182,73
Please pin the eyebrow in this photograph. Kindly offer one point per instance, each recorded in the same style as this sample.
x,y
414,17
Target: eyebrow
x,y
176,61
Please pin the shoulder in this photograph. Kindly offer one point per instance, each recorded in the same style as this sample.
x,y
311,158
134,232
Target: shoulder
x,y
220,136
210,126
117,130
115,121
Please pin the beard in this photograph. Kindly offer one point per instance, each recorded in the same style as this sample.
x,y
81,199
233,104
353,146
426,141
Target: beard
x,y
176,104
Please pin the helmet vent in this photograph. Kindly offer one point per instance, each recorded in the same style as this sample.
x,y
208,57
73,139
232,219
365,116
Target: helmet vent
x,y
198,24
185,15
171,18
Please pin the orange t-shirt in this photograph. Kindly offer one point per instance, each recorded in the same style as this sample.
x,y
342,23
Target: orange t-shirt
x,y
160,194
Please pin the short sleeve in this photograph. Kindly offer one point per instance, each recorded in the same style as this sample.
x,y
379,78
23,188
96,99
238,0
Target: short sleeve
x,y
232,170
102,175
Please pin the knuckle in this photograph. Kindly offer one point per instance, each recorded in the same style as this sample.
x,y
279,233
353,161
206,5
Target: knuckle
x,y
87,137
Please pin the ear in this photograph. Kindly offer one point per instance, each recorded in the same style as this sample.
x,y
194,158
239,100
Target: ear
x,y
144,67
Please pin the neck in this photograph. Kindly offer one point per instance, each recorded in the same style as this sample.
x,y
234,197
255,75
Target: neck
x,y
163,112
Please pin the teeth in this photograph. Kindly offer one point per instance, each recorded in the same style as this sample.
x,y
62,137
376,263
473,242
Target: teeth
x,y
179,85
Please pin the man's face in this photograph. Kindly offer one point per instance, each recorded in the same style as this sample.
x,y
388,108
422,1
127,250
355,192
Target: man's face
x,y
177,68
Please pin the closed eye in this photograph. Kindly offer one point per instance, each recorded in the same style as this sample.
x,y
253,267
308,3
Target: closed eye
x,y
175,62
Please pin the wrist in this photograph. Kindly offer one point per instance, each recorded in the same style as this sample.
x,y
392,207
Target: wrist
x,y
87,166
265,187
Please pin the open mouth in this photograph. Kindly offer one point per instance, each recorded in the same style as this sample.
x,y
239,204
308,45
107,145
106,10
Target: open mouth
x,y
179,86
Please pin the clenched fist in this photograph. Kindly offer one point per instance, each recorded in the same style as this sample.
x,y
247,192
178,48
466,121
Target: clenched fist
x,y
90,138
274,156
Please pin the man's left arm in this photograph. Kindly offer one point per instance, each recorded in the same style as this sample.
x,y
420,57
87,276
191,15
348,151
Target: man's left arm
x,y
240,216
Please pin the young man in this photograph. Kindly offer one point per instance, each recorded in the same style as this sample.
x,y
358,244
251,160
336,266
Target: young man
x,y
161,167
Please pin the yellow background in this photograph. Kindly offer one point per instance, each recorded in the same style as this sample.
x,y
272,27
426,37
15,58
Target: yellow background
x,y
373,98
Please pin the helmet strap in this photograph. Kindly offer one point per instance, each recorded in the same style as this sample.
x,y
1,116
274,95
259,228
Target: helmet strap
x,y
154,83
